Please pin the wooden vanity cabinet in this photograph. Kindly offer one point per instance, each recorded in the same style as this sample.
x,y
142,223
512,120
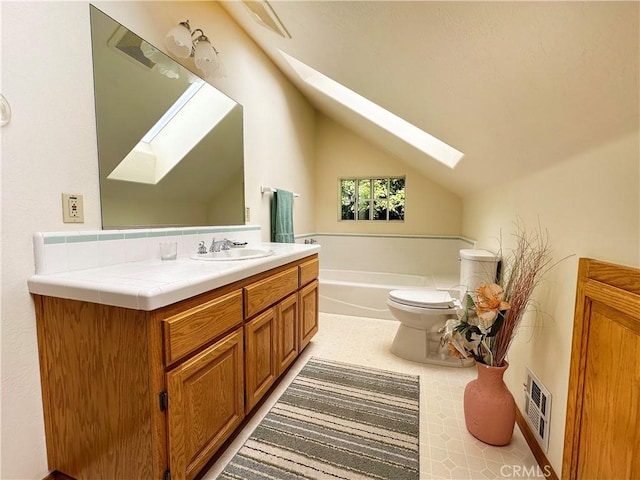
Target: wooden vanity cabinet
x,y
308,301
137,394
101,371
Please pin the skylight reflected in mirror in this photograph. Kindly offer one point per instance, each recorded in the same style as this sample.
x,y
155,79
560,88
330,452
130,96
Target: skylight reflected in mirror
x,y
393,124
198,110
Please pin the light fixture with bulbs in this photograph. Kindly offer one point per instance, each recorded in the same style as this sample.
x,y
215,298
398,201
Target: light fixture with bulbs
x,y
184,43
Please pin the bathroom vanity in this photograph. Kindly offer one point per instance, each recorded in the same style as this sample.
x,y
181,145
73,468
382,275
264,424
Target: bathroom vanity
x,y
155,392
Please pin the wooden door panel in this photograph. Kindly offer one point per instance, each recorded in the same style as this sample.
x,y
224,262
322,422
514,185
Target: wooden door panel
x,y
602,435
206,404
287,332
260,356
308,313
608,434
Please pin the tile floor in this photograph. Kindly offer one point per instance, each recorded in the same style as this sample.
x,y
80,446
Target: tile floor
x,y
447,450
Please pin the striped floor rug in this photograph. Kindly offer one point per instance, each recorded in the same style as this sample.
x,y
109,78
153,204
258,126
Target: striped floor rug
x,y
336,421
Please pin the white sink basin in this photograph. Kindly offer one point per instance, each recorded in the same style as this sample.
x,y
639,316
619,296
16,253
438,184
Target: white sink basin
x,y
233,254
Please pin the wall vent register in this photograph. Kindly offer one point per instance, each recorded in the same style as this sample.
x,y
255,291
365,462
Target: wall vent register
x,y
537,410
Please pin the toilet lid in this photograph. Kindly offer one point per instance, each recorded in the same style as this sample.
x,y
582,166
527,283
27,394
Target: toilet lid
x,y
423,298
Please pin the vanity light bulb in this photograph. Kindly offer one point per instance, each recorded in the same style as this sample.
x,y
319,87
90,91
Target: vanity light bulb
x,y
178,41
205,58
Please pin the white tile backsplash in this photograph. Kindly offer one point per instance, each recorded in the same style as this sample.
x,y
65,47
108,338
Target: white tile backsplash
x,y
81,255
137,249
111,253
54,256
57,252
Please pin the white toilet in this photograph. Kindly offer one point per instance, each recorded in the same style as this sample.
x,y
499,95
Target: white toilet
x,y
422,313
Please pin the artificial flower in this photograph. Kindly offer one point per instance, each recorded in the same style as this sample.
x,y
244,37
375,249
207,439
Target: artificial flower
x,y
489,302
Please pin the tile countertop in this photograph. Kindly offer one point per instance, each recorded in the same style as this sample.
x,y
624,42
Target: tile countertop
x,y
151,284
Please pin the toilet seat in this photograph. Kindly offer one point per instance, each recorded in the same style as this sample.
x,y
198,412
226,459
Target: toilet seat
x,y
431,299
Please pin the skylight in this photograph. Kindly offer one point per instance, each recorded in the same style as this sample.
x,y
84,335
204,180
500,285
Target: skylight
x,y
198,110
173,109
395,125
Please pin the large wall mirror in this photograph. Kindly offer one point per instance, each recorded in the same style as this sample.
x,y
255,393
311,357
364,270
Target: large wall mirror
x,y
170,146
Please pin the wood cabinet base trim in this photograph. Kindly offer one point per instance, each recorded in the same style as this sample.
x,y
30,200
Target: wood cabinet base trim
x,y
545,467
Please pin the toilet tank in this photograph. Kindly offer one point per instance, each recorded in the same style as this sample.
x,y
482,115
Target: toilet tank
x,y
477,267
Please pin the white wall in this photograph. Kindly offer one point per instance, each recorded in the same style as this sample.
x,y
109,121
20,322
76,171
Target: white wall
x,y
590,205
50,147
430,209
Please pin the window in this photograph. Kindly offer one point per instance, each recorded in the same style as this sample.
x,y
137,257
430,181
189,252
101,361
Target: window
x,y
372,198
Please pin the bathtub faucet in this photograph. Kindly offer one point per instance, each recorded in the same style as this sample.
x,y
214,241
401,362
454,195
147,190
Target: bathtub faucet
x,y
310,241
223,244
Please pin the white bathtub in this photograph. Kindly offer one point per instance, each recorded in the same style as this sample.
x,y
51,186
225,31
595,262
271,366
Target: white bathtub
x,y
364,294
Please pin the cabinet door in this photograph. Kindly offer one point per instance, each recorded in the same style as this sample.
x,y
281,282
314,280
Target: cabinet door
x,y
205,404
260,356
287,329
602,435
308,313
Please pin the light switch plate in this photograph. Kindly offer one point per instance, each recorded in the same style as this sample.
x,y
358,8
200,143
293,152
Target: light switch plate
x,y
72,208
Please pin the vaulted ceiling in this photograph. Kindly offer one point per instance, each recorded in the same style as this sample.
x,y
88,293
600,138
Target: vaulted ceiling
x,y
516,86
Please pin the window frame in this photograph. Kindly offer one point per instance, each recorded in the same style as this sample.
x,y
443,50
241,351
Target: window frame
x,y
372,200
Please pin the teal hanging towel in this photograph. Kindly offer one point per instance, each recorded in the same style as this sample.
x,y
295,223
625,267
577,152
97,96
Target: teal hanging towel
x,y
282,217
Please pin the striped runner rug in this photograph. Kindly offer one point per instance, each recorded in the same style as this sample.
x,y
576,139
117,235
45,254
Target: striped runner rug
x,y
336,421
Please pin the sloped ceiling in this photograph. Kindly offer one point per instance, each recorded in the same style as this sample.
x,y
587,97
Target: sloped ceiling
x,y
516,86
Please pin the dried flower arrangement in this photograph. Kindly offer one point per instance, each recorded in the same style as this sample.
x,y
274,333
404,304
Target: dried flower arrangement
x,y
489,320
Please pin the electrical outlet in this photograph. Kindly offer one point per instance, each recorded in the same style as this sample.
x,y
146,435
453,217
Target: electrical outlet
x,y
247,215
72,208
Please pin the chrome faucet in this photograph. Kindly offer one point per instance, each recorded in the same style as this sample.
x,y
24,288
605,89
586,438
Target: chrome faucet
x,y
202,249
223,244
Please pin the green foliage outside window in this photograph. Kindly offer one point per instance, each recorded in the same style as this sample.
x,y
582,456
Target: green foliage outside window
x,y
372,198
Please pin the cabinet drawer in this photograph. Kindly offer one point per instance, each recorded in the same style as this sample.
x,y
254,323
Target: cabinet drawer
x,y
266,292
309,271
197,326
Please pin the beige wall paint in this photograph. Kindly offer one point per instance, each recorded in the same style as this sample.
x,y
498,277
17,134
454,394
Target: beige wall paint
x,y
430,209
590,205
50,147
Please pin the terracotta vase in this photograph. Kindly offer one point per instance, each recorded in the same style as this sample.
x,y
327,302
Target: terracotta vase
x,y
489,408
